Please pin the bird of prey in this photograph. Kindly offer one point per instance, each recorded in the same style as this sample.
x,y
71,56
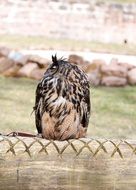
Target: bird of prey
x,y
62,104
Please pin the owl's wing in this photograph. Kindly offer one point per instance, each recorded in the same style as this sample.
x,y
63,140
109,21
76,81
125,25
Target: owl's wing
x,y
87,106
37,108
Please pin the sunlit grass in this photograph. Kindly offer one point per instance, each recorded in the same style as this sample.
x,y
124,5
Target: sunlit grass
x,y
16,102
113,112
113,109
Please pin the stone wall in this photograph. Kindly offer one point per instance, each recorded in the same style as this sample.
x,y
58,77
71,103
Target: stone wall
x,y
80,20
99,73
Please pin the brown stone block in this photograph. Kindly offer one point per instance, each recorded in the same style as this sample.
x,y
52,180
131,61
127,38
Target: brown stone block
x,y
37,73
113,81
12,71
5,64
26,70
114,70
132,76
41,62
78,60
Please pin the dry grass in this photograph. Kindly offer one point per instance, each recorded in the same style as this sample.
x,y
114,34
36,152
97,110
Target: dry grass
x,y
38,42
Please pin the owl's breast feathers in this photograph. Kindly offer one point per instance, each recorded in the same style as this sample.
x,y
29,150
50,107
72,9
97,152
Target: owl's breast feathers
x,y
61,103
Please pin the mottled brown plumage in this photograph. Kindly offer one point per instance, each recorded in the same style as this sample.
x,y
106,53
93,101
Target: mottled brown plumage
x,y
62,105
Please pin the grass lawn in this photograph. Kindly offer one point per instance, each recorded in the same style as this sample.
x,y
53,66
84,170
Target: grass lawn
x,y
113,109
41,42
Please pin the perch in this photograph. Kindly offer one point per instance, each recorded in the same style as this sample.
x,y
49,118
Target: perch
x,y
35,163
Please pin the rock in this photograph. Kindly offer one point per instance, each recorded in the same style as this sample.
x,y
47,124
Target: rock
x,y
12,71
5,64
95,65
114,61
127,65
113,81
42,62
78,60
98,62
22,60
94,78
18,57
26,70
37,73
4,52
113,69
132,76
93,72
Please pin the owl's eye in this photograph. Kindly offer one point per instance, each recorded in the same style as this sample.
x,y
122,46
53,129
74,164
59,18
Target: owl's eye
x,y
54,67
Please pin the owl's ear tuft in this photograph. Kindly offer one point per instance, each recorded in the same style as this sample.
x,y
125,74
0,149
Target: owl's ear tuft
x,y
54,59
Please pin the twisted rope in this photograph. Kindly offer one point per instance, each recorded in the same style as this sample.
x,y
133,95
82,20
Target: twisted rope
x,y
93,146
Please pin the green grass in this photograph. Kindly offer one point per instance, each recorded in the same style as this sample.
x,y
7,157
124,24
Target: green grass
x,y
38,42
113,109
16,102
113,112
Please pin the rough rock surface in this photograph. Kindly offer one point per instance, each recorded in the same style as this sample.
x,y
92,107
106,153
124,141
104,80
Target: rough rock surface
x,y
15,64
12,71
94,78
114,70
42,62
26,70
5,64
37,73
113,81
132,76
78,60
4,51
127,65
93,71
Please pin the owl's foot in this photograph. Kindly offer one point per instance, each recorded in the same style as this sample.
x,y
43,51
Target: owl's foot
x,y
39,135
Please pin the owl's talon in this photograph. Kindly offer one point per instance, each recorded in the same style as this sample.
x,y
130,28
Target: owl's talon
x,y
39,135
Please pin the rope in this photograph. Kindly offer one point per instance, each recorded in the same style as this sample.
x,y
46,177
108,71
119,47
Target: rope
x,y
92,146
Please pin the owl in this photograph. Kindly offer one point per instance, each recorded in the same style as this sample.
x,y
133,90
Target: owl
x,y
62,104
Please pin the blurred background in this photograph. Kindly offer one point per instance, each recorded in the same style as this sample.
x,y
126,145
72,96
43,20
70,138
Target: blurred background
x,y
97,35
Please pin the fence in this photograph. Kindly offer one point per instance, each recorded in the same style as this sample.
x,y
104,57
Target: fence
x,y
35,163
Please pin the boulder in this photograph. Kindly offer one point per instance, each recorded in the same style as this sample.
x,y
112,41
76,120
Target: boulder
x,y
98,62
94,78
84,66
18,58
37,73
26,70
22,60
41,62
127,65
4,52
93,71
12,71
95,65
114,69
5,64
114,61
113,81
76,59
132,76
